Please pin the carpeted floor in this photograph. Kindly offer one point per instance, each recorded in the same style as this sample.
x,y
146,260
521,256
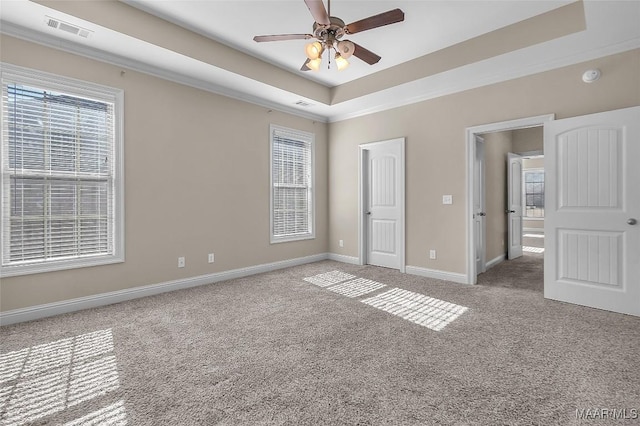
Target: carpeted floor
x,y
526,273
278,349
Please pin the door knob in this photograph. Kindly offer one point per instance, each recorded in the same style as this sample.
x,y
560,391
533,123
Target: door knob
x,y
509,211
632,221
482,214
368,212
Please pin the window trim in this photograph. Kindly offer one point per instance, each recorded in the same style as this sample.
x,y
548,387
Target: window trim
x,y
306,137
71,86
524,191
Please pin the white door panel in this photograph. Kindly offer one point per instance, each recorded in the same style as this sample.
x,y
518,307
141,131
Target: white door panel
x,y
514,204
592,199
384,209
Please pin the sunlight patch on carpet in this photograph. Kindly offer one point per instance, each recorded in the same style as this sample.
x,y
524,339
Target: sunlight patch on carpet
x,y
426,311
48,378
329,278
113,415
533,249
357,287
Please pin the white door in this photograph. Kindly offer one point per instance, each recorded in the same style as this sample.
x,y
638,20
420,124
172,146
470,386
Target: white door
x,y
514,205
592,210
384,215
479,214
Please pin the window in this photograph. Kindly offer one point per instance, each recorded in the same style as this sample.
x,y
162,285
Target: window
x,y
534,193
292,175
61,156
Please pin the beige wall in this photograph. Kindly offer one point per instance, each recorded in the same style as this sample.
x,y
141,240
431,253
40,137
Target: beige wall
x,y
533,163
496,147
197,181
435,149
528,140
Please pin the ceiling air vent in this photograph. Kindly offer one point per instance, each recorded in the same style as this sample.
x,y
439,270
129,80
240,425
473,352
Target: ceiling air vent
x,y
67,27
303,104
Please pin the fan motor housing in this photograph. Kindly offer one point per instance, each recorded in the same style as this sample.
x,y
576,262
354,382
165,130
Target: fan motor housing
x,y
331,32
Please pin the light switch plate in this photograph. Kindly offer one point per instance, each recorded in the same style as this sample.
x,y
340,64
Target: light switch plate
x,y
447,199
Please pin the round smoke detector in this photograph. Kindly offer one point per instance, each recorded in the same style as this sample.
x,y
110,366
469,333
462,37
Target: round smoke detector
x,y
590,76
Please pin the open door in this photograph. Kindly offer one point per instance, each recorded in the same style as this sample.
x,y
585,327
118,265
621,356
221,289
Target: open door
x,y
592,209
479,213
514,204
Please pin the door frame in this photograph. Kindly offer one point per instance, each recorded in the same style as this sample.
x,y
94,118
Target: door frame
x,y
362,202
471,132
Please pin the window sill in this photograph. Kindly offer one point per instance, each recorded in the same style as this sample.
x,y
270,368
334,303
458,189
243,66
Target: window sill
x,y
52,266
276,240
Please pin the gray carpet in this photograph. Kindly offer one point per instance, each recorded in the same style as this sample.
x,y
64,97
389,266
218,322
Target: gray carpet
x,y
276,349
526,273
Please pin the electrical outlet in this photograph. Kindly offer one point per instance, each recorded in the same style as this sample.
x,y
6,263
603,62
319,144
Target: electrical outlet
x,y
432,254
211,258
181,262
341,243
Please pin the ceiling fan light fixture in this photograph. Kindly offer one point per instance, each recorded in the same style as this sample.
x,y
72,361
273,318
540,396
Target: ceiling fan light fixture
x,y
314,50
341,62
328,30
314,64
346,48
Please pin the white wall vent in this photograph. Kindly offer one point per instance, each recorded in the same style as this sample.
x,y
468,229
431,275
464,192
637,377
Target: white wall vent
x,y
67,27
303,104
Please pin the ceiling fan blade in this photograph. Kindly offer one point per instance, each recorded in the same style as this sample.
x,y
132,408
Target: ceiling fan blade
x,y
385,18
319,13
304,66
365,54
281,37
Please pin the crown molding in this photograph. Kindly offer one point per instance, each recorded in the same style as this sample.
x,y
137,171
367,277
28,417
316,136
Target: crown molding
x,y
484,73
494,70
13,30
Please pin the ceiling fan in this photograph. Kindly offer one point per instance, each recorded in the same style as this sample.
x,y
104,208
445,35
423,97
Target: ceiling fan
x,y
328,31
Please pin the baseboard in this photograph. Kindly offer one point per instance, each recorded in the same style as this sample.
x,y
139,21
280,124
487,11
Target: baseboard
x,y
434,273
344,259
493,262
72,305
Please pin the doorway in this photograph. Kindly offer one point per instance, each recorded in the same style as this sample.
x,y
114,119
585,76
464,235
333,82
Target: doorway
x,y
495,182
533,188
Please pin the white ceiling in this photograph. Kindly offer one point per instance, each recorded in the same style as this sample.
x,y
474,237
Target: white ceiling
x,y
428,26
612,27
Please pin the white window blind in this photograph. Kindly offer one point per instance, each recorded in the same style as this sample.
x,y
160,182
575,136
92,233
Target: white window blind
x,y
291,184
59,167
